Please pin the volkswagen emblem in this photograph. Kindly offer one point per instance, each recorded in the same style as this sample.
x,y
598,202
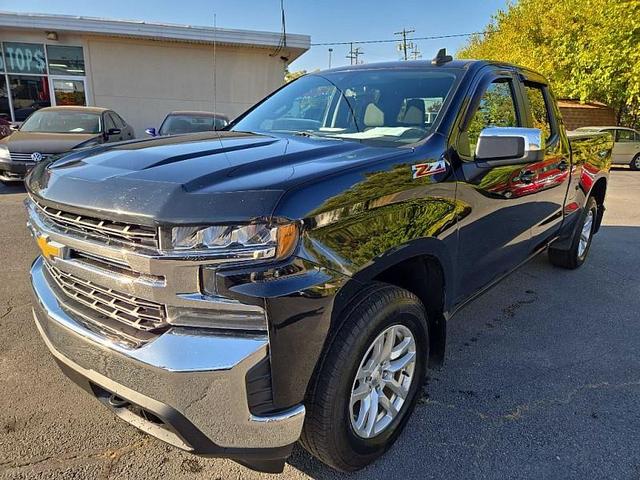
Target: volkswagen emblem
x,y
36,156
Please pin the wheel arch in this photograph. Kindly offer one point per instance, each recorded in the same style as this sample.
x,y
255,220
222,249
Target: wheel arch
x,y
598,192
424,268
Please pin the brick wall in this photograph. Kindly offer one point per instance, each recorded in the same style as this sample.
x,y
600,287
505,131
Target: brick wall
x,y
576,114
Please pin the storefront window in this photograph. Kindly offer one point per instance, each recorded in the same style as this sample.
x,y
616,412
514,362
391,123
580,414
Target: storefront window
x,y
5,111
28,94
69,92
31,80
65,60
24,58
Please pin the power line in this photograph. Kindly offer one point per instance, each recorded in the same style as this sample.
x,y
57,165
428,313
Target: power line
x,y
394,40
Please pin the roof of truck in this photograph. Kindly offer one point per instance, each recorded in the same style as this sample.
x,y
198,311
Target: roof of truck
x,y
458,64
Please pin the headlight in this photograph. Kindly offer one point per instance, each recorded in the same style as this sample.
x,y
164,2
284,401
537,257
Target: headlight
x,y
4,153
260,240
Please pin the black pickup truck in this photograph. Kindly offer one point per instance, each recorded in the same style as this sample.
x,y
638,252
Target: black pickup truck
x,y
291,278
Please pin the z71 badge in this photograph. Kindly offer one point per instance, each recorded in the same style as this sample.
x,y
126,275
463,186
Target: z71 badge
x,y
427,169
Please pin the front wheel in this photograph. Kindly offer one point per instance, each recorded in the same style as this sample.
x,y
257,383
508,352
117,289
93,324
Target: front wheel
x,y
581,242
635,163
369,379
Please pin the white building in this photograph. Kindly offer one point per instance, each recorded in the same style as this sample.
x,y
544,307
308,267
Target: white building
x,y
141,70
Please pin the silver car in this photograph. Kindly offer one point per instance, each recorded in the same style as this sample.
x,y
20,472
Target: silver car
x,y
626,147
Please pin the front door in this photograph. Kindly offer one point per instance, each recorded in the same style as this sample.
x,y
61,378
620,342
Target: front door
x,y
68,91
495,235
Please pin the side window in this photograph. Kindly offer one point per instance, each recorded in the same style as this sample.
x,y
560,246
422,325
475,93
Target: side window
x,y
119,120
108,122
539,109
497,109
115,120
625,136
611,132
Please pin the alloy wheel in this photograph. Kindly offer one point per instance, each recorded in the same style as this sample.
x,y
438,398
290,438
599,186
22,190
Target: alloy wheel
x,y
382,381
585,234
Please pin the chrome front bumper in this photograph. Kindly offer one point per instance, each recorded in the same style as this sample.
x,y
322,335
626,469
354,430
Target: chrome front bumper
x,y
192,382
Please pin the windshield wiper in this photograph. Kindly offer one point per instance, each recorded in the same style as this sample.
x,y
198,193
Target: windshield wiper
x,y
308,134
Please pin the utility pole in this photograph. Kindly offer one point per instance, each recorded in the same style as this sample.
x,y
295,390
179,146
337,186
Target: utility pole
x,y
330,52
354,53
404,46
415,52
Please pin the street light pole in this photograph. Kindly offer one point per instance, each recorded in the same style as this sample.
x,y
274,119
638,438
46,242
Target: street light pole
x,y
330,52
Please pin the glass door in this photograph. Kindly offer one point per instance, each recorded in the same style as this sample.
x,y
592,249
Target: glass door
x,y
68,91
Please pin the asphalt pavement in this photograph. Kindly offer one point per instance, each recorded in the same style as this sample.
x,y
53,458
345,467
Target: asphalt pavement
x,y
541,381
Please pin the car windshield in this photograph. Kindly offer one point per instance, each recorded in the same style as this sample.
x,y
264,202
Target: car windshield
x,y
185,123
397,106
70,121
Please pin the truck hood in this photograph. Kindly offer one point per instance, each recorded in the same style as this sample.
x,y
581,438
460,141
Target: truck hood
x,y
195,178
29,142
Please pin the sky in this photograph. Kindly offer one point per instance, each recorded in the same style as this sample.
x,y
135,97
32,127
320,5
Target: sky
x,y
323,20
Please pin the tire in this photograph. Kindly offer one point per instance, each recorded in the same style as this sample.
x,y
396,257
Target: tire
x,y
329,432
577,253
635,163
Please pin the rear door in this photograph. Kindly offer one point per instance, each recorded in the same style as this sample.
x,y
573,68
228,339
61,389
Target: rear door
x,y
550,178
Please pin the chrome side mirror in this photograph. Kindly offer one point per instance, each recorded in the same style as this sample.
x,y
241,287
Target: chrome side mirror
x,y
510,145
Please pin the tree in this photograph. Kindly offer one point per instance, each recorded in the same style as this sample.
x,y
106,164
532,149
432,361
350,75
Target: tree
x,y
588,49
290,76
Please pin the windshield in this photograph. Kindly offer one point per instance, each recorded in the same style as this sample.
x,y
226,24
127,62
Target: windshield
x,y
394,105
52,121
176,124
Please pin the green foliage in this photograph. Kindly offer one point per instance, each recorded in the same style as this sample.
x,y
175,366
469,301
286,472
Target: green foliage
x,y
496,110
290,76
588,49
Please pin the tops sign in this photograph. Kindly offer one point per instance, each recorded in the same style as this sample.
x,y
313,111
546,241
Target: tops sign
x,y
25,58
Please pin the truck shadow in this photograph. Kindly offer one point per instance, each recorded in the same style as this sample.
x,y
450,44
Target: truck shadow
x,y
525,391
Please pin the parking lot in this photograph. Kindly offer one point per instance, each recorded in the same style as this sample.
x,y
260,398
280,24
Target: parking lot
x,y
542,380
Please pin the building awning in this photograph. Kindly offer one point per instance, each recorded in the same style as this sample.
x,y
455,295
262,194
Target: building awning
x,y
296,44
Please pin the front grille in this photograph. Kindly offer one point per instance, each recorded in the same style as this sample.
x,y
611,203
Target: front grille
x,y
131,311
106,230
26,157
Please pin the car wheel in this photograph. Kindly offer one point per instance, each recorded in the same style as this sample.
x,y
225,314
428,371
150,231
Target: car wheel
x,y
581,241
368,379
635,163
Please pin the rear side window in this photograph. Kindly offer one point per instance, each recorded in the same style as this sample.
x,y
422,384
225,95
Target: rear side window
x,y
497,109
539,107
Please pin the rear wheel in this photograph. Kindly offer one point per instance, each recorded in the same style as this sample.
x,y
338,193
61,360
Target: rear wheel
x,y
577,253
635,163
369,379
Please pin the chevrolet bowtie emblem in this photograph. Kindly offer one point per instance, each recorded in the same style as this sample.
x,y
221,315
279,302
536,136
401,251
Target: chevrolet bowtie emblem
x,y
49,248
